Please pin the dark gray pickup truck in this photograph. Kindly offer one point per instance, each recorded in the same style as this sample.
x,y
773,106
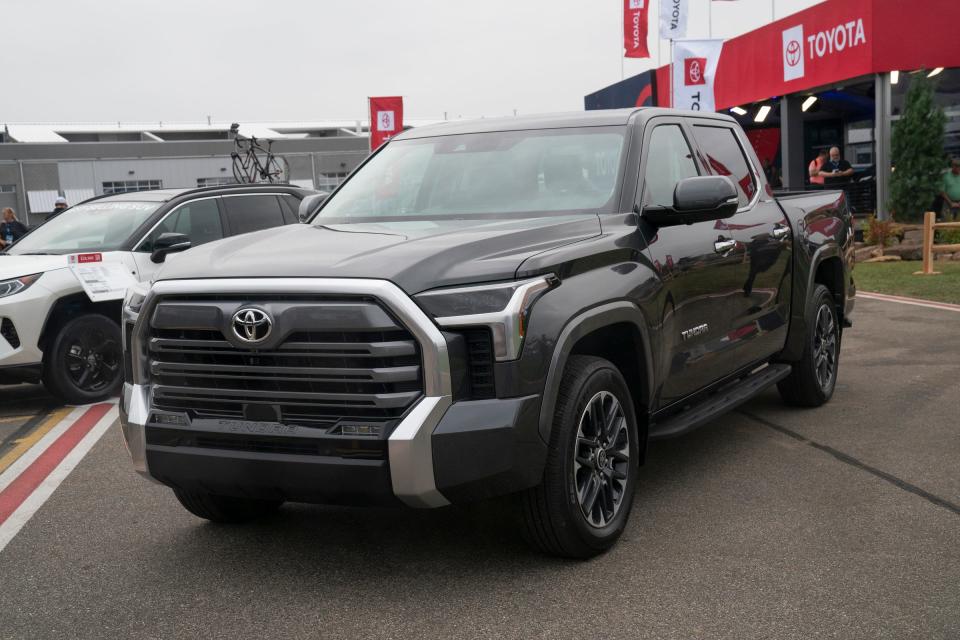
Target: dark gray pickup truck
x,y
490,308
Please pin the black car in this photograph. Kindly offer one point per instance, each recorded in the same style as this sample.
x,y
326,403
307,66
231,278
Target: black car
x,y
504,306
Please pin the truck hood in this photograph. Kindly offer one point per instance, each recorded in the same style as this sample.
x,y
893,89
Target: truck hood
x,y
415,255
16,266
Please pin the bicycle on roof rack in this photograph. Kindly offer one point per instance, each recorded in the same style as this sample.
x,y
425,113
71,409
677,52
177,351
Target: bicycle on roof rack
x,y
254,160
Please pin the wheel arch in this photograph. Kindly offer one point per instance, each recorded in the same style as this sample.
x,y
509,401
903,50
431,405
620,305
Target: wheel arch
x,y
601,331
71,306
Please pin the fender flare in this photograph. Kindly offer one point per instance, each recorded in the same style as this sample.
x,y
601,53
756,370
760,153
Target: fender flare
x,y
586,322
801,298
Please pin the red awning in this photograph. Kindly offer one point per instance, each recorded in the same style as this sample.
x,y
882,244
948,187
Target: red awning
x,y
831,42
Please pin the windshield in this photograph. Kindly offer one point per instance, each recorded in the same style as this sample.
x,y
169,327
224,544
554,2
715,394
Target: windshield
x,y
499,174
96,226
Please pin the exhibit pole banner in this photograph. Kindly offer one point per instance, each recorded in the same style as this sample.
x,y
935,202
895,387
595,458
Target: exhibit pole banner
x,y
386,119
635,14
673,19
694,70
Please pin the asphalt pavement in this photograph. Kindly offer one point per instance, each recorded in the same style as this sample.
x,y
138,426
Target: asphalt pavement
x,y
838,522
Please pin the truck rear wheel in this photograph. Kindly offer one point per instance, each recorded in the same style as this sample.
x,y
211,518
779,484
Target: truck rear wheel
x,y
814,376
582,504
225,509
83,362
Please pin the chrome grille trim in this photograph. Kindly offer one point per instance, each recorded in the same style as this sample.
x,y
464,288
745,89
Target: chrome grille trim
x,y
410,449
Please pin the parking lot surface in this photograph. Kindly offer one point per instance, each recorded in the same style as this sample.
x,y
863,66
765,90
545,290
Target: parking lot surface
x,y
839,522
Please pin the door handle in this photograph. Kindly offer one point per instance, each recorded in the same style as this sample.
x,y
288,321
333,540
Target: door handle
x,y
780,232
722,245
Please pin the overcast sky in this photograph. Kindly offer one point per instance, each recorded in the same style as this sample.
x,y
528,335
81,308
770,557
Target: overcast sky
x,y
248,60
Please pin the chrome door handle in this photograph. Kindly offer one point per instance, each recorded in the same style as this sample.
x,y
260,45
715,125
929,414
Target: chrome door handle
x,y
722,245
780,232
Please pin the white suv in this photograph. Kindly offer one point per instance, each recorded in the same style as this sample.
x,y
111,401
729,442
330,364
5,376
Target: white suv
x,y
61,284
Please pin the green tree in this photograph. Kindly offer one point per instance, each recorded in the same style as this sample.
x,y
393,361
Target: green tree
x,y
917,151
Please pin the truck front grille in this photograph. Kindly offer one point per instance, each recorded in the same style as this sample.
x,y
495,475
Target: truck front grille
x,y
334,360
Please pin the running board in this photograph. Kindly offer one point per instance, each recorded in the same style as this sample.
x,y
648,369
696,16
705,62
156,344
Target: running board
x,y
719,403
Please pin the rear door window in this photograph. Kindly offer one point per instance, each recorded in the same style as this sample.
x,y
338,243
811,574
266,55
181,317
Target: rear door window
x,y
246,213
723,156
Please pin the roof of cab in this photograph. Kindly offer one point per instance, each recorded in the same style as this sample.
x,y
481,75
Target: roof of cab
x,y
596,118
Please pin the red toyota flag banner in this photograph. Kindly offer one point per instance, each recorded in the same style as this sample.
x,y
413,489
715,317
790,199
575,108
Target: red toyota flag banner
x,y
635,29
386,119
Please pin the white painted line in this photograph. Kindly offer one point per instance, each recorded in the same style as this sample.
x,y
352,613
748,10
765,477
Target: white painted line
x,y
916,302
25,511
34,452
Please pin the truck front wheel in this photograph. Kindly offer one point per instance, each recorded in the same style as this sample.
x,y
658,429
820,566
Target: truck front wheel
x,y
814,376
582,504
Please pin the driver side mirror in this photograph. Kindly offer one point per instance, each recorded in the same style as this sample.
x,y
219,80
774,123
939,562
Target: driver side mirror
x,y
309,205
697,199
168,243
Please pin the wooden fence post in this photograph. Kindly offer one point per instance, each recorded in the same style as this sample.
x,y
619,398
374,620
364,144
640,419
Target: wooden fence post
x,y
929,219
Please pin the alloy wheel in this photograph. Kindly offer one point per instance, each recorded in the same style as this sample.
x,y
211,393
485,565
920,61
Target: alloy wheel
x,y
92,361
601,459
825,347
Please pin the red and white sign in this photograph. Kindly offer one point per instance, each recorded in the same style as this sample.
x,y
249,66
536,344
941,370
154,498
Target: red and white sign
x,y
386,119
694,68
85,258
635,29
793,53
693,71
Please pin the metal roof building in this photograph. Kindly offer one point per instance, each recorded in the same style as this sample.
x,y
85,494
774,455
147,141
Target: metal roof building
x,y
40,162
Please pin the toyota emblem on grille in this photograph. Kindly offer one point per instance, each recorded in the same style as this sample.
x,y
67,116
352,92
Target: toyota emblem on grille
x,y
252,325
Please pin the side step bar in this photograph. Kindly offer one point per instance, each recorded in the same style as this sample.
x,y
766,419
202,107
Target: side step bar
x,y
719,403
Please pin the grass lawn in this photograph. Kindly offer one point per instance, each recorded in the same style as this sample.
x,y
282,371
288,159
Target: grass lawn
x,y
896,278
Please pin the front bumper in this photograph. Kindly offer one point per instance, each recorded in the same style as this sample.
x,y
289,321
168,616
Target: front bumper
x,y
480,449
440,451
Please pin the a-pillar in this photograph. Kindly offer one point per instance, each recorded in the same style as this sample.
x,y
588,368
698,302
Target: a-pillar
x,y
792,154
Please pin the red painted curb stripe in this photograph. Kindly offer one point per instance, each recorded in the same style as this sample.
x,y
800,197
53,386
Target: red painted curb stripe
x,y
20,489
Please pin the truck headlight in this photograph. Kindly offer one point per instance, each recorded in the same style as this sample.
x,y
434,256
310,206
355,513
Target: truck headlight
x,y
504,308
16,285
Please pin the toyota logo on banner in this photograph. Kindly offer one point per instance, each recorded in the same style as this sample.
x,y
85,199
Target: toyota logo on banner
x,y
694,70
251,325
793,53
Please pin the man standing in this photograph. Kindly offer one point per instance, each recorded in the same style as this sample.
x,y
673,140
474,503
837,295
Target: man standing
x,y
950,191
836,167
815,165
11,229
58,206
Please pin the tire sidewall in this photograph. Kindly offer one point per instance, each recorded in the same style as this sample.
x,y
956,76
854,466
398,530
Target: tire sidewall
x,y
822,298
54,364
602,378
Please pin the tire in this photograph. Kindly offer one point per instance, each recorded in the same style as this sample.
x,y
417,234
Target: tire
x,y
558,516
814,377
84,362
225,509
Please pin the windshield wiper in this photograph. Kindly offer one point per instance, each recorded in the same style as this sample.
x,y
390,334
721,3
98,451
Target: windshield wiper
x,y
37,253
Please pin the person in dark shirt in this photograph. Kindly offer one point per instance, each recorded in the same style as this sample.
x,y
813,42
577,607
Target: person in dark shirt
x,y
11,229
835,166
58,207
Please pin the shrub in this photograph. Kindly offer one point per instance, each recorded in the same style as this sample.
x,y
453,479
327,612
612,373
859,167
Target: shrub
x,y
879,232
917,151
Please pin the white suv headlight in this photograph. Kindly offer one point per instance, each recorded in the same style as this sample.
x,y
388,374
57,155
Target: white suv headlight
x,y
16,285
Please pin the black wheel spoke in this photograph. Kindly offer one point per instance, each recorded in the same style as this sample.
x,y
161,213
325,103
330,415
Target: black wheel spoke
x,y
601,456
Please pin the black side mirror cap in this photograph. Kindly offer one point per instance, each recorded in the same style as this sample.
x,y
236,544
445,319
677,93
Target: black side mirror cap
x,y
309,205
168,243
697,199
